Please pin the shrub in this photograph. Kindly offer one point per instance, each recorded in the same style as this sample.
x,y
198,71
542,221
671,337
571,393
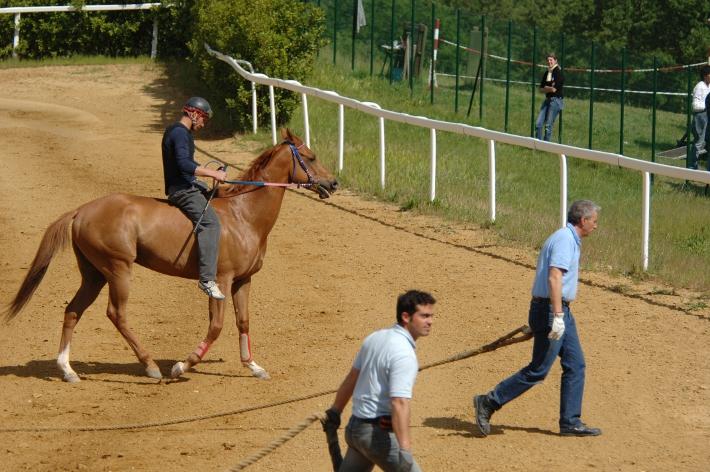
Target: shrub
x,y
279,38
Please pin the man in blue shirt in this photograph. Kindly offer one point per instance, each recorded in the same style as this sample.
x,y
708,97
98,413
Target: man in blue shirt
x,y
553,327
189,194
380,384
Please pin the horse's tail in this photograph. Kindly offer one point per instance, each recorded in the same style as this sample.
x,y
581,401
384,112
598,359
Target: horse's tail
x,y
55,238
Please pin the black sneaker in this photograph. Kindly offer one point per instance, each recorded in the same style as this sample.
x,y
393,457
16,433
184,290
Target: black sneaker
x,y
484,410
580,430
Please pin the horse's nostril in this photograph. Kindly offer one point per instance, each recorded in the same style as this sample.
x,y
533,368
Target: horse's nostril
x,y
334,185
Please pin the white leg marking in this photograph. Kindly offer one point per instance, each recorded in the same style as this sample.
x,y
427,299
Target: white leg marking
x,y
63,364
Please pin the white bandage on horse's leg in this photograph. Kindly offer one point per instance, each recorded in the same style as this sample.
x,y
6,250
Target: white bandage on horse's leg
x,y
245,347
202,349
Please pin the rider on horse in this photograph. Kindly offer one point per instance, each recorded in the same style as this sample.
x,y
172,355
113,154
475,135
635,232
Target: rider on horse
x,y
189,194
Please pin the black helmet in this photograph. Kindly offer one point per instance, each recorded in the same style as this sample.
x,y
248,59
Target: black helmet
x,y
198,104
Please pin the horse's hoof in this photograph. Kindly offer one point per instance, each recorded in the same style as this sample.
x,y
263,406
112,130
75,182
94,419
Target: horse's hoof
x,y
261,374
153,373
256,370
71,377
177,370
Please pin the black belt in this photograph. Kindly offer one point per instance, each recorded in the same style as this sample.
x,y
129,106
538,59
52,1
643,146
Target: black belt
x,y
547,300
375,420
383,422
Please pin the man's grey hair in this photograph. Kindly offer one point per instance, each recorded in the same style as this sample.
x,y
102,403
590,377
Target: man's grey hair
x,y
581,209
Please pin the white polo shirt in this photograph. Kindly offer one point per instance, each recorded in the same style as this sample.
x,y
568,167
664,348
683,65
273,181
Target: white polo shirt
x,y
388,369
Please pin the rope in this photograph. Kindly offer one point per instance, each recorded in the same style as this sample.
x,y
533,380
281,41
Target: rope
x,y
643,92
577,69
276,443
505,340
155,424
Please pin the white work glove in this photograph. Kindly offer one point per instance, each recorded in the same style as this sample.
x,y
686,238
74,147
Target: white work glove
x,y
558,326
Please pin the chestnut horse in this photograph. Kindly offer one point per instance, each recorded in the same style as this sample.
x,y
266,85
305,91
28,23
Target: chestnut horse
x,y
112,233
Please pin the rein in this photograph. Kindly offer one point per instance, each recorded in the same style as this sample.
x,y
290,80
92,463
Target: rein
x,y
296,156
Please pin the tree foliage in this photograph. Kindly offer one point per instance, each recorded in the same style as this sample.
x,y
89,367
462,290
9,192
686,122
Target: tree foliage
x,y
280,38
676,31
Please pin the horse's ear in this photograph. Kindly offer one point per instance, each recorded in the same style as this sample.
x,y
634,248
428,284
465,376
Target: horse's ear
x,y
285,133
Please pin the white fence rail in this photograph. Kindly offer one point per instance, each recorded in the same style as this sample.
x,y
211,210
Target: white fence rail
x,y
18,11
564,151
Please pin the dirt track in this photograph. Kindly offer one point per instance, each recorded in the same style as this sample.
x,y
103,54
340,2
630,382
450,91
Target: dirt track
x,y
332,271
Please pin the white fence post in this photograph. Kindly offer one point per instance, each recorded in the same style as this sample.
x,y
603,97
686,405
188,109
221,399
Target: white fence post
x,y
382,152
306,126
646,217
273,114
253,108
255,119
341,135
432,194
492,178
154,43
563,190
16,36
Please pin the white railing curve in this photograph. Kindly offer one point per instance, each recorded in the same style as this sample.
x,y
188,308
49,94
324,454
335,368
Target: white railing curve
x,y
564,151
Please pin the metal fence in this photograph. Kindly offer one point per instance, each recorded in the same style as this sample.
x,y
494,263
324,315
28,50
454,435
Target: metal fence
x,y
481,59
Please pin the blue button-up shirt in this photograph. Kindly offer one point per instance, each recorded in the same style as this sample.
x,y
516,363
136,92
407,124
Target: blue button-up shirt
x,y
561,250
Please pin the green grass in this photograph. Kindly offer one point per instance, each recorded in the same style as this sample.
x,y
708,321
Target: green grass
x,y
527,181
73,61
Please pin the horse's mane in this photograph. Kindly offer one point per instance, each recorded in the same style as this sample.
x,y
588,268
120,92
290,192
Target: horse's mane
x,y
258,164
251,173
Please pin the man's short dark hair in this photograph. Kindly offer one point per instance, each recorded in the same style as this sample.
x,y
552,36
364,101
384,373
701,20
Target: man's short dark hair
x,y
581,209
705,70
408,301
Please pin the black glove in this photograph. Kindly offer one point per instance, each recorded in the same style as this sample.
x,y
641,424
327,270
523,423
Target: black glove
x,y
332,420
406,461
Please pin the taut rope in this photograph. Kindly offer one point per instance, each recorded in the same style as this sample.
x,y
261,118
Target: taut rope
x,y
275,444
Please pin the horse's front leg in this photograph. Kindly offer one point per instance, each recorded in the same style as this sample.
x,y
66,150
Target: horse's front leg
x,y
240,298
216,310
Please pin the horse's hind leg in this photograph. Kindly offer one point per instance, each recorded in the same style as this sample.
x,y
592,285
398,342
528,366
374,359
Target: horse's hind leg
x,y
91,284
119,285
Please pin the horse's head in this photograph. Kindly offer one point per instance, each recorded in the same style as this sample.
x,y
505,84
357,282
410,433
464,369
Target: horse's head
x,y
307,170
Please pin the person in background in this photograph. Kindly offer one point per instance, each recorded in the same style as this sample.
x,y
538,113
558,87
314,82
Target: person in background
x,y
380,383
553,327
551,85
700,118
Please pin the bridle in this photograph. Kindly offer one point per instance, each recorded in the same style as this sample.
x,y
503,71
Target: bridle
x,y
296,158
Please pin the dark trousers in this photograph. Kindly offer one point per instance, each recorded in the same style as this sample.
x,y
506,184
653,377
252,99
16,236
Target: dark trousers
x,y
545,352
191,202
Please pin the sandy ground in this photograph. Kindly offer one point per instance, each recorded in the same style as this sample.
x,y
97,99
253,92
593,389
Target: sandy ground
x,y
331,274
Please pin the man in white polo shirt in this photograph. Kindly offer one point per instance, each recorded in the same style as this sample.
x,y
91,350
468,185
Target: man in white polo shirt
x,y
380,384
